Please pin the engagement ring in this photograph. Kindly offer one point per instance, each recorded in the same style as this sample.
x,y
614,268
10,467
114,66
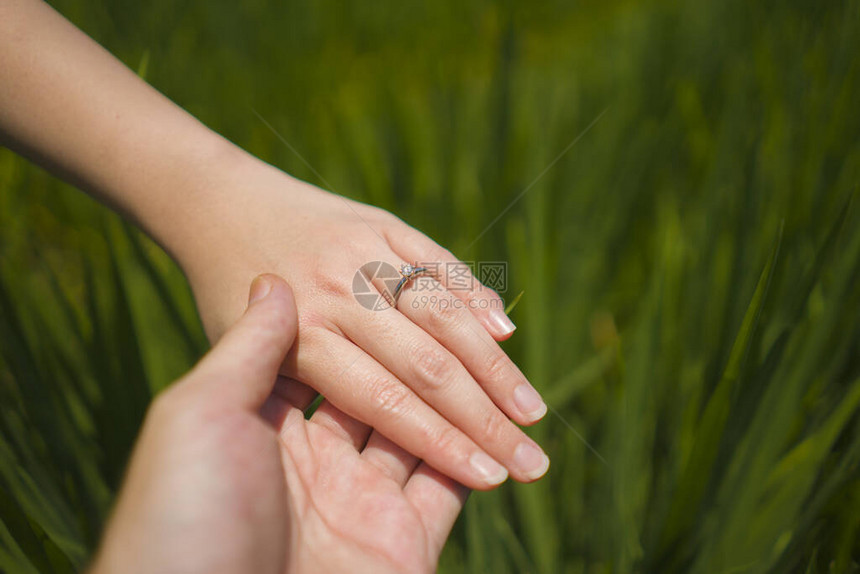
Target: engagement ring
x,y
409,272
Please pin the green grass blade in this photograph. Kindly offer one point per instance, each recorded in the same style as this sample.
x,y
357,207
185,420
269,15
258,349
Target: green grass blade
x,y
512,305
709,433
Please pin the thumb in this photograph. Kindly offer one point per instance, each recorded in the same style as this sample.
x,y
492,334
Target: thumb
x,y
243,366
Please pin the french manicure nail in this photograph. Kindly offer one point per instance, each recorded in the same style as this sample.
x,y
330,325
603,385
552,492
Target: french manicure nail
x,y
531,460
501,323
260,287
529,402
492,472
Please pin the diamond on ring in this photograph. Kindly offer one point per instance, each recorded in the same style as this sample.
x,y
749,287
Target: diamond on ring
x,y
408,271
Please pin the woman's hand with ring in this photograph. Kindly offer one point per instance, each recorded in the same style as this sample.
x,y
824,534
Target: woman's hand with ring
x,y
432,378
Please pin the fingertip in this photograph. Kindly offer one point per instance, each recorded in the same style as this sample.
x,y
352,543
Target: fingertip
x,y
501,337
530,404
489,473
273,293
533,418
500,325
261,286
541,472
266,285
531,461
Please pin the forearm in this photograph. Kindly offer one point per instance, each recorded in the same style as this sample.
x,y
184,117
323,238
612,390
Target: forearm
x,y
69,105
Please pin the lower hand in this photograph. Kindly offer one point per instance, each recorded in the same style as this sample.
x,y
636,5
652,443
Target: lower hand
x,y
214,487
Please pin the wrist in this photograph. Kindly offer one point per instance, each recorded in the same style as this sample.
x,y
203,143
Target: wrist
x,y
216,208
179,196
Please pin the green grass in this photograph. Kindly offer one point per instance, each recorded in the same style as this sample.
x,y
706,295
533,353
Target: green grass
x,y
689,266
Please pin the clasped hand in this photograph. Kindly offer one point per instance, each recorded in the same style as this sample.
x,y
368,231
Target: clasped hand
x,y
228,475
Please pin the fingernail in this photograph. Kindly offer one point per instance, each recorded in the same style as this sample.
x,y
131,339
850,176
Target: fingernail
x,y
492,472
260,287
529,402
531,460
501,323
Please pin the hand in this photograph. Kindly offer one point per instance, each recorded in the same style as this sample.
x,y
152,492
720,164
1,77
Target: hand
x,y
213,488
430,377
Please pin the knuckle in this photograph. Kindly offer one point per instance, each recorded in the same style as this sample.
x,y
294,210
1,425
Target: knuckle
x,y
496,366
445,316
445,440
471,298
494,426
332,286
433,367
390,398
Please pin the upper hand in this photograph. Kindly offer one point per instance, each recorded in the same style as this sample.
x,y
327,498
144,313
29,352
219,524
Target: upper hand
x,y
432,378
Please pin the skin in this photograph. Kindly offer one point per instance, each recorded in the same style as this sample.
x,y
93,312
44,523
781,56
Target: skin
x,y
214,487
430,377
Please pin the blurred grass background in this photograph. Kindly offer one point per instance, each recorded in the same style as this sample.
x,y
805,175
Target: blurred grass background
x,y
690,266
